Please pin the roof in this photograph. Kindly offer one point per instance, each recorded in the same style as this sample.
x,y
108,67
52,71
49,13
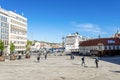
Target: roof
x,y
101,41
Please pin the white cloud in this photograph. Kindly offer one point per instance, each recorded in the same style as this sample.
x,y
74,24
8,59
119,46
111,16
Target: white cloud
x,y
88,27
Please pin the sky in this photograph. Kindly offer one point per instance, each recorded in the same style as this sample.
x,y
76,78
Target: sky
x,y
50,20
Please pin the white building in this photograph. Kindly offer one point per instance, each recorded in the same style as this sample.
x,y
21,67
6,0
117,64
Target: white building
x,y
40,45
72,42
13,29
36,46
4,27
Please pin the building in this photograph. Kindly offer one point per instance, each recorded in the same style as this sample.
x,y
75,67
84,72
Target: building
x,y
13,29
38,45
100,47
35,46
41,45
4,27
72,42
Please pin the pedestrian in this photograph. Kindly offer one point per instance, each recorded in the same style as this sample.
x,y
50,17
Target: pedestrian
x,y
38,58
96,62
72,57
46,56
83,60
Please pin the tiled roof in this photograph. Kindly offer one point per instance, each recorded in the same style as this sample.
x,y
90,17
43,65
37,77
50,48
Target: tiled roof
x,y
101,41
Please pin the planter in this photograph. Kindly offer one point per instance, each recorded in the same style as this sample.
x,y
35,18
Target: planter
x,y
12,57
2,58
27,56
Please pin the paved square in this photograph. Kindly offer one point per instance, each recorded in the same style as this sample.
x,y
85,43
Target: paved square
x,y
58,68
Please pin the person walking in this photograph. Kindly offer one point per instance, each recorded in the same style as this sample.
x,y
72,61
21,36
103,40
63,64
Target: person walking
x,y
38,58
72,57
83,60
46,56
96,62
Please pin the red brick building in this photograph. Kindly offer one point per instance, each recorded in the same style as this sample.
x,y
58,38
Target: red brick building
x,y
101,46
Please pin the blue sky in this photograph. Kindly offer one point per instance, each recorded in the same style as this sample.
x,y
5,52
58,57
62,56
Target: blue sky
x,y
49,20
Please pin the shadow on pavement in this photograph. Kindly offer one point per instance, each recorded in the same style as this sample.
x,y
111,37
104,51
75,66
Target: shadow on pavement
x,y
115,71
115,60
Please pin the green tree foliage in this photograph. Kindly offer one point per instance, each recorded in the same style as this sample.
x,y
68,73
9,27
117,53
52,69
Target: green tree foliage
x,y
12,47
1,47
28,45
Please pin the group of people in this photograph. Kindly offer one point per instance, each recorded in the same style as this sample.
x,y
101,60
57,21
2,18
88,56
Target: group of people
x,y
96,61
72,58
83,60
39,55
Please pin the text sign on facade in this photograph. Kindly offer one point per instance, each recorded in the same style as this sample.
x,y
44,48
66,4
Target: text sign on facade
x,y
111,41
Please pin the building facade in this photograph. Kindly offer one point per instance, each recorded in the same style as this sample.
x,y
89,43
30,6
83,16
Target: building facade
x,y
40,45
4,27
100,47
13,29
72,42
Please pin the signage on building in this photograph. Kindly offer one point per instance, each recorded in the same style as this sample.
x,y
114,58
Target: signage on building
x,y
111,41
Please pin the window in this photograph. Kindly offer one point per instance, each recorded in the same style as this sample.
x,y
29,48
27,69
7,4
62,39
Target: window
x,y
115,47
119,47
105,47
111,47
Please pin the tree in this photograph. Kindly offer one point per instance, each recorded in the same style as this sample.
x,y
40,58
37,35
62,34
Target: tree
x,y
1,47
12,47
28,49
28,45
